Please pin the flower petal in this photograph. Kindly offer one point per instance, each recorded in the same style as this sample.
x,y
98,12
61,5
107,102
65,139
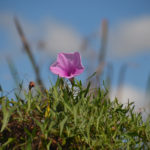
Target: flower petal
x,y
78,72
67,65
77,61
57,69
62,60
66,60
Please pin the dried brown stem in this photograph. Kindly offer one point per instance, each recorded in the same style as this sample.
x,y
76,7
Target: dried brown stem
x,y
28,51
121,79
102,54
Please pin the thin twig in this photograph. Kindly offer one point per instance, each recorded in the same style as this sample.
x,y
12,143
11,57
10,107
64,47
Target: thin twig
x,y
28,51
102,54
121,79
13,71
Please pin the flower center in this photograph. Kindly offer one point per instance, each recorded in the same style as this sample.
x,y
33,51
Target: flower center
x,y
71,71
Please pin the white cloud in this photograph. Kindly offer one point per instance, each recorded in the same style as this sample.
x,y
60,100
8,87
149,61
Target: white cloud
x,y
133,94
130,37
60,38
56,36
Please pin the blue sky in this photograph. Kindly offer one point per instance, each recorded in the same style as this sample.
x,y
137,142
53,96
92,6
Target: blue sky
x,y
81,17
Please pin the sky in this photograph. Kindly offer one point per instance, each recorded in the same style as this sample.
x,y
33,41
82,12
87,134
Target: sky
x,y
62,25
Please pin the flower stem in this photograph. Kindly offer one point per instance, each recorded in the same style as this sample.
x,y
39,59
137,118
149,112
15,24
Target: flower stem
x,y
72,81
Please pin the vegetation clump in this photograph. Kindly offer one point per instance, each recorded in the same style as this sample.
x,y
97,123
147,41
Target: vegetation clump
x,y
71,117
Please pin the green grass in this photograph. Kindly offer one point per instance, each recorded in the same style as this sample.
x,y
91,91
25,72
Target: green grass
x,y
66,117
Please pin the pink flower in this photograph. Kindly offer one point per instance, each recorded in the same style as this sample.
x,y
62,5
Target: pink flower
x,y
67,65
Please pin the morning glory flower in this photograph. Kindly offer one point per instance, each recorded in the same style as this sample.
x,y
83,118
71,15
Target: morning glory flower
x,y
67,65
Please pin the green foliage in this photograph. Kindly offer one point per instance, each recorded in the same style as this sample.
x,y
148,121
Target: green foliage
x,y
71,117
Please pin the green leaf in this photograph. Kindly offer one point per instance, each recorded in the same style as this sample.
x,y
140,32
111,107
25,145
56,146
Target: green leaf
x,y
29,145
62,123
87,89
2,99
6,114
91,76
10,140
75,114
